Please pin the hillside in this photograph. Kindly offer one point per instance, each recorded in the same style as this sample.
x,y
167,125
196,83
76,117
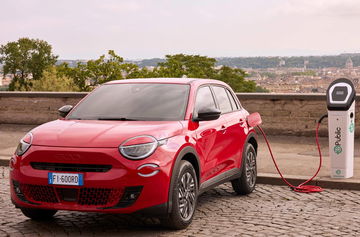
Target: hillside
x,y
271,62
262,62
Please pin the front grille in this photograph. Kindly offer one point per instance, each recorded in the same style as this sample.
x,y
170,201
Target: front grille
x,y
70,167
81,196
98,196
39,193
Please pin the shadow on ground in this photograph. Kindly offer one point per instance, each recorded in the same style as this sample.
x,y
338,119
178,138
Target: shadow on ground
x,y
91,224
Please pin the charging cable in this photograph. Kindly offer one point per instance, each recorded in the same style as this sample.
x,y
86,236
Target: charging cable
x,y
302,188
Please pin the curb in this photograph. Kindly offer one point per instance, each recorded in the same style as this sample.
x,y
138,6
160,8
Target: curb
x,y
324,182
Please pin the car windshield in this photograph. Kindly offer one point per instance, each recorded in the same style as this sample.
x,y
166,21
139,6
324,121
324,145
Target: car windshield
x,y
134,101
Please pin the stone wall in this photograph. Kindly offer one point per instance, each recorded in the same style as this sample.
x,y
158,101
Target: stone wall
x,y
286,114
33,107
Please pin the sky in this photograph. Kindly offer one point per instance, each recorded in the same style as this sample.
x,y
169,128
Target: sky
x,y
138,29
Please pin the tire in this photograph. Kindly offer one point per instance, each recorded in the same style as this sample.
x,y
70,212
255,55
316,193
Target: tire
x,y
247,181
38,214
184,196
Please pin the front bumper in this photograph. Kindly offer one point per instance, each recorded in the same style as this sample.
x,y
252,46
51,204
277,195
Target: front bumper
x,y
118,190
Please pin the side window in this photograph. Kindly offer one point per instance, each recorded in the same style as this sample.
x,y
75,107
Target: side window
x,y
204,98
223,99
232,100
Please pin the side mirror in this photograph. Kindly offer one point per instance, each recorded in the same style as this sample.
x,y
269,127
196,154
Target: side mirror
x,y
63,111
208,114
254,119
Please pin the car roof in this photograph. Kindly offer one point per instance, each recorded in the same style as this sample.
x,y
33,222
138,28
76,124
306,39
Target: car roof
x,y
191,81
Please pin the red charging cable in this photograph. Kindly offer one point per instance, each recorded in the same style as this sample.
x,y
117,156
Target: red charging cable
x,y
302,188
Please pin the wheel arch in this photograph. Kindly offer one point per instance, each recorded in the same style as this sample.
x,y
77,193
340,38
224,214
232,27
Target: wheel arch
x,y
187,153
252,140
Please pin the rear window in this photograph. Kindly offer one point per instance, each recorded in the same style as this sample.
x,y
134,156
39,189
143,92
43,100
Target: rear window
x,y
135,101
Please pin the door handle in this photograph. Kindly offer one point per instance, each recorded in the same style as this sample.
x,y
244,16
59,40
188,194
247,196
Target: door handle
x,y
223,129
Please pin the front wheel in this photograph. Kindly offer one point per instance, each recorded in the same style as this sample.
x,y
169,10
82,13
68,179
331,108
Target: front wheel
x,y
246,183
184,198
38,214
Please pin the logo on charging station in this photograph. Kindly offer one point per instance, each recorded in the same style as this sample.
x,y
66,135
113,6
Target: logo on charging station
x,y
337,147
352,127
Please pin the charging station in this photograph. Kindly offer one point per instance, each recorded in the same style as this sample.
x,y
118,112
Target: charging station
x,y
341,125
340,97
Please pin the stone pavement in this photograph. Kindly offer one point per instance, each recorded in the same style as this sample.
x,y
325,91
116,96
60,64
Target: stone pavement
x,y
268,211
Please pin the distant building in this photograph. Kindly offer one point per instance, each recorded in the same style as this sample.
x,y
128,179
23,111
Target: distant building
x,y
306,62
282,62
349,63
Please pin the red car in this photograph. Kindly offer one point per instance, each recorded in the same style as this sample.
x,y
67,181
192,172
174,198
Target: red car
x,y
141,145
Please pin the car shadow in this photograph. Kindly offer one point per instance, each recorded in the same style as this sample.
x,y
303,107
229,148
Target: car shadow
x,y
89,224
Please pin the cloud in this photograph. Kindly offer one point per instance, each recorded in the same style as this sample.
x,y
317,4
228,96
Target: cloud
x,y
124,6
325,8
153,28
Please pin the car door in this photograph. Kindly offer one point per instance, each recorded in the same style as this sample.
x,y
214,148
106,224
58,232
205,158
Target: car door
x,y
236,129
209,134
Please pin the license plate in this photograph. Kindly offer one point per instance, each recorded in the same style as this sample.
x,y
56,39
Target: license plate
x,y
66,179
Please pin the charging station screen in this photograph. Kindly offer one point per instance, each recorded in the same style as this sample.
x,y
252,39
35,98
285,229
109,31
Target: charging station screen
x,y
340,93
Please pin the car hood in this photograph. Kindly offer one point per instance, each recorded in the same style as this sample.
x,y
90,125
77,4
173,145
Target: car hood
x,y
106,134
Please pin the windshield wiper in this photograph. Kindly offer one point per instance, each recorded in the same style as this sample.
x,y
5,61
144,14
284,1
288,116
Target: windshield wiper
x,y
117,119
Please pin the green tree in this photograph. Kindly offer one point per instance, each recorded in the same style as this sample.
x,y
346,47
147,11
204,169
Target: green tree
x,y
78,74
93,72
196,66
51,80
26,60
180,65
131,70
105,68
261,89
235,78
112,67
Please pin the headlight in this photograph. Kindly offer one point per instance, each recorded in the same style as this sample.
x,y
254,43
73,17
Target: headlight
x,y
140,147
24,144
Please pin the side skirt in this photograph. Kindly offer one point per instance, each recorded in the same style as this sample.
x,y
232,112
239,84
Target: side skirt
x,y
220,179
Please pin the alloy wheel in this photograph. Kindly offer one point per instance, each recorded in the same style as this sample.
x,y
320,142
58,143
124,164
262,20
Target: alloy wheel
x,y
187,196
251,168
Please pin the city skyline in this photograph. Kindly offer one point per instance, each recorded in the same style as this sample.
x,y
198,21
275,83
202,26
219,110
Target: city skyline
x,y
140,29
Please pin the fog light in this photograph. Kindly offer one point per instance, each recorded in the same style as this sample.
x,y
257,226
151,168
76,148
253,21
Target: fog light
x,y
19,193
131,194
17,190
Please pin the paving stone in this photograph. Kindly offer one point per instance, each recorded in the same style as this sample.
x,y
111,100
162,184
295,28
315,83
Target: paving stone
x,y
269,211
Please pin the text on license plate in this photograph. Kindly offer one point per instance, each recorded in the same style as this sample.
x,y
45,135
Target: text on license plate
x,y
66,179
